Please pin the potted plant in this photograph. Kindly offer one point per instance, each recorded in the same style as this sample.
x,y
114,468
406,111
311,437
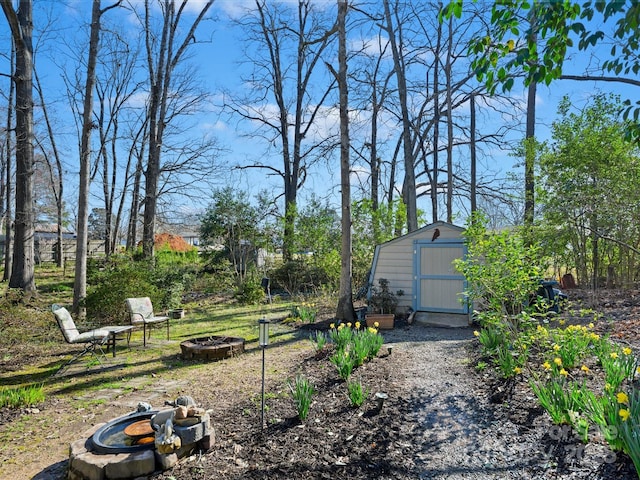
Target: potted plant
x,y
382,306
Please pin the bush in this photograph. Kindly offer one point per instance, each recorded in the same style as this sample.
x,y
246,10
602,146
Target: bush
x,y
300,276
250,291
118,278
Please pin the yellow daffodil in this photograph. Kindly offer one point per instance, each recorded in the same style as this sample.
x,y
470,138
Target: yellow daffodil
x,y
626,351
607,387
376,324
562,322
591,325
476,333
585,369
557,361
546,366
373,330
595,336
341,326
637,370
624,414
357,325
517,370
332,326
349,324
556,347
622,397
563,372
613,355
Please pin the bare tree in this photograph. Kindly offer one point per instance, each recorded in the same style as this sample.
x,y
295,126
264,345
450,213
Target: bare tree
x,y
284,73
21,25
82,238
115,87
409,185
54,169
162,60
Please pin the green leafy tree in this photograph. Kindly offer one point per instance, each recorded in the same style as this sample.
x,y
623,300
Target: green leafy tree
x,y
559,26
232,222
588,191
318,234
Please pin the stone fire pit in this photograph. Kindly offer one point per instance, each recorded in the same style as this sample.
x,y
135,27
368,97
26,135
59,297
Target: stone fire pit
x,y
212,348
141,443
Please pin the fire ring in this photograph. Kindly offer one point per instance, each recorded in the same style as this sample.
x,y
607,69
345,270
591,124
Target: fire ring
x,y
212,348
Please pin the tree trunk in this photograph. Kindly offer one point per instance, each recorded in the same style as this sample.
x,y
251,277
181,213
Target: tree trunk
x,y
530,148
82,235
448,75
409,184
8,217
345,310
167,58
436,127
57,184
472,153
21,24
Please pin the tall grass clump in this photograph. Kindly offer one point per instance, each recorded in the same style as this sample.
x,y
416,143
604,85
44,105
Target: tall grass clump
x,y
21,397
302,392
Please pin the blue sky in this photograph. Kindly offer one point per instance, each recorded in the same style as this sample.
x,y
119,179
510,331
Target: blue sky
x,y
218,68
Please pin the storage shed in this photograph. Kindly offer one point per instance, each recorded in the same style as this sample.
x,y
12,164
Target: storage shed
x,y
420,266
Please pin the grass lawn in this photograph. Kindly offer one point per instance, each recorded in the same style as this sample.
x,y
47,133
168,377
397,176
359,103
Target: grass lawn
x,y
32,347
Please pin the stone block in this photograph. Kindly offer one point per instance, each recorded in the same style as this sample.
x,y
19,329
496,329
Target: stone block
x,y
207,442
166,461
190,434
83,445
89,466
130,465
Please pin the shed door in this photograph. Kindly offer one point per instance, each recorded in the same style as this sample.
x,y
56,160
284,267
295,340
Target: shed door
x,y
436,281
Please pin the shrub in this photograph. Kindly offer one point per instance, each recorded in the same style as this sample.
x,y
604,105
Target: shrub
x,y
118,279
501,268
250,291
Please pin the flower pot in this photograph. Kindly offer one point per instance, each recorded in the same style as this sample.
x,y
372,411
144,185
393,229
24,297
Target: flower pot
x,y
176,313
385,320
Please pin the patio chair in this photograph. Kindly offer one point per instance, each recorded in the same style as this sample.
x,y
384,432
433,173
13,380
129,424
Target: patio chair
x,y
92,340
141,312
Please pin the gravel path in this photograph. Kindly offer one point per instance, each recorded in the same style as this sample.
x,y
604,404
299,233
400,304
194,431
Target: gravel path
x,y
460,433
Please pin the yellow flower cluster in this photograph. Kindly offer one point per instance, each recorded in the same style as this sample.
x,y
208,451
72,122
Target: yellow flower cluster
x,y
623,399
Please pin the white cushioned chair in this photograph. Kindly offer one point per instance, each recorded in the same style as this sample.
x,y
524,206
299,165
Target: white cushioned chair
x,y
92,340
141,313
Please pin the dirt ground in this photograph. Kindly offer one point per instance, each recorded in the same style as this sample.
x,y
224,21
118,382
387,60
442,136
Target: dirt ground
x,y
442,418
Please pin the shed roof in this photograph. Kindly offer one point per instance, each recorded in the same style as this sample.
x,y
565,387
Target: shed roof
x,y
422,231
